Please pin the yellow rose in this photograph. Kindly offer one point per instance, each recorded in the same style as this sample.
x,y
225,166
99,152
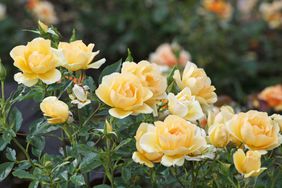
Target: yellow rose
x,y
248,164
255,130
277,118
55,110
37,61
141,156
198,82
79,56
175,138
185,105
218,135
125,93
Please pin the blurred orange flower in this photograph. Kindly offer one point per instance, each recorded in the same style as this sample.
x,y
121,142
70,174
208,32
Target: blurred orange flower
x,y
219,7
273,96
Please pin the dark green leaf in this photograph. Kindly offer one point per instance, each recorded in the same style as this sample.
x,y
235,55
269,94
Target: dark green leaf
x,y
33,184
125,174
38,144
5,169
102,186
22,174
123,143
15,119
89,162
3,143
77,180
11,154
115,67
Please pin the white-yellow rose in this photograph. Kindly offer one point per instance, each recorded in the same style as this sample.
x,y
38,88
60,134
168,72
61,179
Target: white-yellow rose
x,y
55,110
141,156
198,82
125,93
248,164
185,105
79,56
37,61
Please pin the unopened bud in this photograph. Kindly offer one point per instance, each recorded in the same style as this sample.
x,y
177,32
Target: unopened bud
x,y
42,27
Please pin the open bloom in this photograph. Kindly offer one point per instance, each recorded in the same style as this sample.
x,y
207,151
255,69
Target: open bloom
x,y
150,77
185,105
37,61
44,11
248,164
166,55
221,8
277,118
79,56
55,110
79,96
141,156
273,96
255,130
198,82
175,138
125,93
272,13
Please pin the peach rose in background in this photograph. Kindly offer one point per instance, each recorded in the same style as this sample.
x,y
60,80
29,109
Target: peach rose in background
x,y
125,93
43,10
55,110
170,55
37,61
272,13
273,96
198,82
255,130
79,56
248,164
221,8
144,131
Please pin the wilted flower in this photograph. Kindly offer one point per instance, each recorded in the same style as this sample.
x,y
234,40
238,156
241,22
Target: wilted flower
x,y
79,56
55,110
272,13
2,11
255,130
221,8
198,82
44,11
37,61
170,55
125,93
79,96
273,96
248,164
185,105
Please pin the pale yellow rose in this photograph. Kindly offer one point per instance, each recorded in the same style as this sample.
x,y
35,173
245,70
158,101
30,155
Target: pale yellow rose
x,y
277,118
125,93
248,164
141,156
150,77
255,130
185,105
37,61
80,96
272,13
198,82
218,135
79,56
55,110
45,11
175,138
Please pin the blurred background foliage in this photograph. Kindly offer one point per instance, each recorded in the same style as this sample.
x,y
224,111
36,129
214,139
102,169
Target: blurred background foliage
x,y
241,53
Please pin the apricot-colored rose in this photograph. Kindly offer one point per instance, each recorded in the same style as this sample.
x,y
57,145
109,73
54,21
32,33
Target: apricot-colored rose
x,y
125,93
79,56
55,110
248,164
255,130
198,82
273,96
45,12
222,8
141,156
37,61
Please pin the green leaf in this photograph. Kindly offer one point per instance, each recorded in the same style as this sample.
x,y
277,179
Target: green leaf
x,y
102,186
23,174
170,75
16,119
77,180
123,143
73,36
5,169
11,154
125,174
33,184
38,144
90,83
129,56
3,143
115,67
90,162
